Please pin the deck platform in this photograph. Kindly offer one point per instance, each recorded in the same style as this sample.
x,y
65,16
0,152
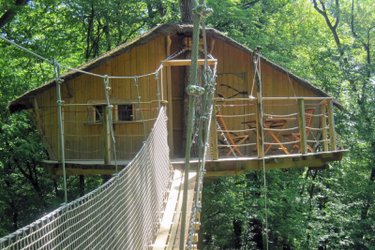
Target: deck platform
x,y
220,167
84,167
240,165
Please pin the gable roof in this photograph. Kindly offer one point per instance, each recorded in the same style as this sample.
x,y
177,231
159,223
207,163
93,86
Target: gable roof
x,y
23,102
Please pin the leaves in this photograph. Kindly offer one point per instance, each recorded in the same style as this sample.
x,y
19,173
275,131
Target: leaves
x,y
307,209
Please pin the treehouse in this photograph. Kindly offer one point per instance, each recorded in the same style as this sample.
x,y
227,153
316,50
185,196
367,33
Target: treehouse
x,y
289,125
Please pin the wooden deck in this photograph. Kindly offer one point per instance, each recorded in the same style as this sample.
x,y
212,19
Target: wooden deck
x,y
220,167
168,236
84,167
236,166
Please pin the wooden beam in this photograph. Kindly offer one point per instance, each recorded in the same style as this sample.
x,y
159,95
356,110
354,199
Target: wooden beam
x,y
107,135
213,137
168,88
186,62
307,98
220,167
81,167
236,166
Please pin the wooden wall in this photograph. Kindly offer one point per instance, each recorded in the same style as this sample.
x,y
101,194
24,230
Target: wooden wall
x,y
83,138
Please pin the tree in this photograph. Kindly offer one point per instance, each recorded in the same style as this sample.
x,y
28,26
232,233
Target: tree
x,y
186,7
9,10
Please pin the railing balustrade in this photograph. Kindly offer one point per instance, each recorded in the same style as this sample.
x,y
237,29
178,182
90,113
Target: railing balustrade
x,y
290,125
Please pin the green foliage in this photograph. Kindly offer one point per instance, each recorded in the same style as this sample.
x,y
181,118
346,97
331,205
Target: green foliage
x,y
331,209
325,209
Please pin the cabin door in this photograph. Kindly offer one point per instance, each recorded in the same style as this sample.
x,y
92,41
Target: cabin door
x,y
178,79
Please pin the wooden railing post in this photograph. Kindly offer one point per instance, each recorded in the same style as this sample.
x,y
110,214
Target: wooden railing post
x,y
259,127
107,135
331,125
213,137
324,126
302,125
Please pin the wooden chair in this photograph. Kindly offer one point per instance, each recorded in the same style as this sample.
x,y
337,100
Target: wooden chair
x,y
232,138
309,118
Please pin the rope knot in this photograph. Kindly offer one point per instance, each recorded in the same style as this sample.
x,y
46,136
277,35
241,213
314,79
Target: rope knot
x,y
194,90
202,10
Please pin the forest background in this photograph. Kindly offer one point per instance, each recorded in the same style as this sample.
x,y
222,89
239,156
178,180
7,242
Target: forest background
x,y
328,42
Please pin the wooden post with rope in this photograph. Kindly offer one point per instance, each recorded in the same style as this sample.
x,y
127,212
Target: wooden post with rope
x,y
60,122
259,109
260,134
331,125
191,89
302,125
324,127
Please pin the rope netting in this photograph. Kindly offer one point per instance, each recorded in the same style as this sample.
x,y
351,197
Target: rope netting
x,y
121,214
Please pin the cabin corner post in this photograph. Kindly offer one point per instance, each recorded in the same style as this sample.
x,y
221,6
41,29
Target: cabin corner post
x,y
331,125
168,94
302,125
59,102
39,126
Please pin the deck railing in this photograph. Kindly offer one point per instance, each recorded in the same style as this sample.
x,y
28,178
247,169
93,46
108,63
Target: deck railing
x,y
286,125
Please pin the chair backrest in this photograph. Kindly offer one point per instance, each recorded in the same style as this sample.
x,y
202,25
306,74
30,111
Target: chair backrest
x,y
227,134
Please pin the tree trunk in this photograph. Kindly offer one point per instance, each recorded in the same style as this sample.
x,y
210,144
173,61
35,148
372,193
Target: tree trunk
x,y
186,7
8,15
237,233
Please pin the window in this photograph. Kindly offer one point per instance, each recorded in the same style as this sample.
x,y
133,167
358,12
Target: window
x,y
125,112
120,113
99,113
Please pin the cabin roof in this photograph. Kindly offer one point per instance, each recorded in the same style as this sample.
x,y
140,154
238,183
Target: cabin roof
x,y
23,102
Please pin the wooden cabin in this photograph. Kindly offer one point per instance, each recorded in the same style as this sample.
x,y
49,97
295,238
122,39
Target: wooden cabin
x,y
298,125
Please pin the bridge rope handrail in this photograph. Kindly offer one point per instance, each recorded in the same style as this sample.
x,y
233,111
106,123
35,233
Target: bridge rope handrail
x,y
123,213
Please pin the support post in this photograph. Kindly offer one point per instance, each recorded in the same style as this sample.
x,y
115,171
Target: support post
x,y
302,125
213,137
107,135
324,127
192,89
259,107
168,80
331,125
59,102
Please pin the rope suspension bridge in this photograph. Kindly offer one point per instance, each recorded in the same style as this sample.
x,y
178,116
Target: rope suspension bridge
x,y
124,213
152,202
127,211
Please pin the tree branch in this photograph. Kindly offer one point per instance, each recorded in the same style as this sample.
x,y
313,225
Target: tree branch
x,y
352,22
337,19
333,27
250,4
11,12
